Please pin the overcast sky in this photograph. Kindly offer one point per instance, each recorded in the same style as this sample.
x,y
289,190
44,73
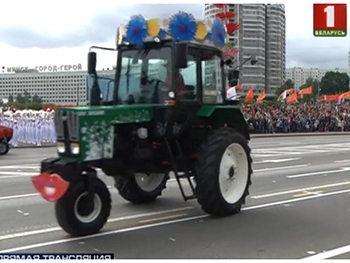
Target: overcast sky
x,y
42,32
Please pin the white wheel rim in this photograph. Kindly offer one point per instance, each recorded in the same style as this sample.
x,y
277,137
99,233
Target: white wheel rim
x,y
94,214
149,183
232,187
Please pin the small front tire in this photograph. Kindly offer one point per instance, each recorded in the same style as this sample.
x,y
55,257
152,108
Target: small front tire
x,y
77,216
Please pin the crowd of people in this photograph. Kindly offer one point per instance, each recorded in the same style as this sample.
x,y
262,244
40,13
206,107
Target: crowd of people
x,y
29,126
301,117
36,127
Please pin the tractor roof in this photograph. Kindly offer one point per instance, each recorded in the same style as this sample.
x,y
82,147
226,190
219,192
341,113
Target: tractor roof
x,y
180,27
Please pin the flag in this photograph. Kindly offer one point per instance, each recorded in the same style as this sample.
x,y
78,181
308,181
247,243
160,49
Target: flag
x,y
285,94
261,97
292,98
231,94
239,86
343,96
250,95
306,91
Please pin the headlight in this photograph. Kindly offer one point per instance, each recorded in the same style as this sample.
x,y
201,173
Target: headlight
x,y
60,147
142,133
74,148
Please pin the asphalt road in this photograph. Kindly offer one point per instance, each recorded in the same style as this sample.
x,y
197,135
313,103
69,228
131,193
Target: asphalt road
x,y
298,208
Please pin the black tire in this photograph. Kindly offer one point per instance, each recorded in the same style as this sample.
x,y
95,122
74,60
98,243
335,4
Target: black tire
x,y
129,189
66,215
4,148
207,174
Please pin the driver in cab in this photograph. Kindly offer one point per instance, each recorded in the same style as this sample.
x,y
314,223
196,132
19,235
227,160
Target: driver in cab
x,y
180,86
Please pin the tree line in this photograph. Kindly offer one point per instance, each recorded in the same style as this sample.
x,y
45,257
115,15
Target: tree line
x,y
23,101
333,82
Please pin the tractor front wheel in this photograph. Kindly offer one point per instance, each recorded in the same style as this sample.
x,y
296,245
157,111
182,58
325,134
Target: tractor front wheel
x,y
223,173
81,215
141,188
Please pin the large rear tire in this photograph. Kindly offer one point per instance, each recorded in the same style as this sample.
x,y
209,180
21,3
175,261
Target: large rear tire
x,y
141,188
223,173
79,217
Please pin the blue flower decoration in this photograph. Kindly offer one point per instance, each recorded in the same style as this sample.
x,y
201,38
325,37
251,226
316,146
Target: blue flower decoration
x,y
218,33
137,30
209,37
162,34
183,26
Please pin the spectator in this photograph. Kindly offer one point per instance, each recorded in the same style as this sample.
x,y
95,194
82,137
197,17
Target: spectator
x,y
301,117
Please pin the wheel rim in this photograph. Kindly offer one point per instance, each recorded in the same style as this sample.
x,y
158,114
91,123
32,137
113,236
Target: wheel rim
x,y
84,211
2,147
233,173
149,183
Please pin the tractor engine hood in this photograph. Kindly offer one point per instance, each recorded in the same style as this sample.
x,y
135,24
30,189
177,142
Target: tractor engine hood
x,y
87,133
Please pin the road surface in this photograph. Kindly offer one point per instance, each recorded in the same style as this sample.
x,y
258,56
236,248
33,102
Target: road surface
x,y
299,207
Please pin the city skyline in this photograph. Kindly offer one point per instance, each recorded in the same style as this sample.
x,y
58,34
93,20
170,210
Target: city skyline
x,y
43,37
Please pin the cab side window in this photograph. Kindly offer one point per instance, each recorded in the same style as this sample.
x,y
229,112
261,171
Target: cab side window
x,y
212,78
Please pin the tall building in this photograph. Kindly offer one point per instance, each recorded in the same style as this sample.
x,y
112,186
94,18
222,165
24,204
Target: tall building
x,y
262,33
299,75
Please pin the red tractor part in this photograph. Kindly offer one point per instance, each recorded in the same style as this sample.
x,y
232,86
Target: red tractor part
x,y
50,186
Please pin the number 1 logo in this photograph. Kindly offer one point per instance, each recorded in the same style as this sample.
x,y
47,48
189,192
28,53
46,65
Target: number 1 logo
x,y
330,20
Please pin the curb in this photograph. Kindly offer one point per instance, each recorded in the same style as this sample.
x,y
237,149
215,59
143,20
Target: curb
x,y
252,135
28,146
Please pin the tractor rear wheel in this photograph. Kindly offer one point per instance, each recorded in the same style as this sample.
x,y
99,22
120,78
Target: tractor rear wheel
x,y
223,173
141,188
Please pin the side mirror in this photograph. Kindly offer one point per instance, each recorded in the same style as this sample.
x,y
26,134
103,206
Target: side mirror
x,y
180,55
253,61
92,59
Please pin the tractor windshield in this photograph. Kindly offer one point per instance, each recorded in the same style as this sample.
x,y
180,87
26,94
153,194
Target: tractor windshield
x,y
142,73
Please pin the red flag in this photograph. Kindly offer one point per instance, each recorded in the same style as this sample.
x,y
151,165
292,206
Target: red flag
x,y
261,97
250,95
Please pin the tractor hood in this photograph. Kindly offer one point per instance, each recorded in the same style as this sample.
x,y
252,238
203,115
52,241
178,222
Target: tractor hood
x,y
87,133
113,114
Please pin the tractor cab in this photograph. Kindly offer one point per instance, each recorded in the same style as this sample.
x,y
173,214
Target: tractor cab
x,y
160,68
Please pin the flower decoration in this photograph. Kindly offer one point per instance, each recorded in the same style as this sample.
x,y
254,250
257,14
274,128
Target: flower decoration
x,y
153,27
183,26
136,30
209,37
219,33
162,33
231,27
201,31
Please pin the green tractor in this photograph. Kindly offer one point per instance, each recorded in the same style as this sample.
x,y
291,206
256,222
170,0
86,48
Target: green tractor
x,y
167,114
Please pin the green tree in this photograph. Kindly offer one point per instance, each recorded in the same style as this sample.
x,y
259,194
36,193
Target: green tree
x,y
20,99
27,97
286,85
36,99
334,83
11,99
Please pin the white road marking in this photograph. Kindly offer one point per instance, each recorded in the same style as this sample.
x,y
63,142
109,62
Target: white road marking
x,y
342,161
277,160
25,166
123,218
279,168
18,173
18,196
61,241
341,170
329,254
300,190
